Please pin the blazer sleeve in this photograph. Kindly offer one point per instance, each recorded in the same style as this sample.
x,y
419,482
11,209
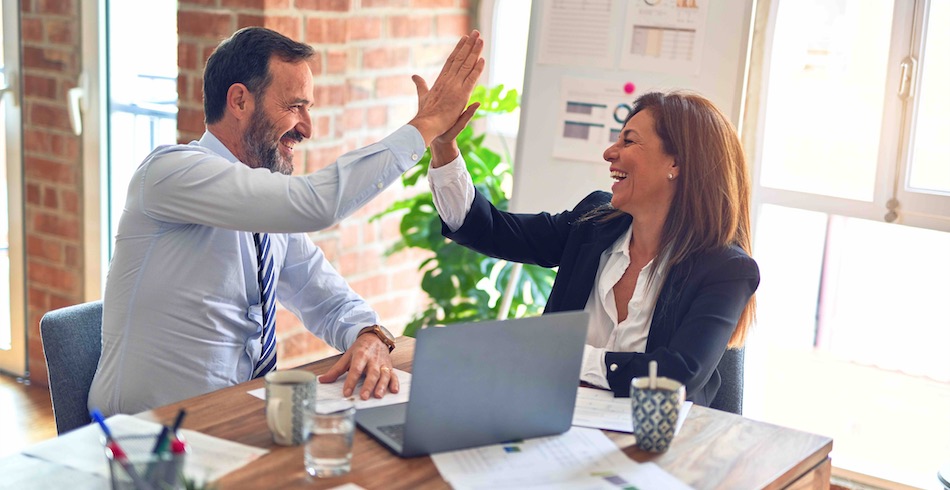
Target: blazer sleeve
x,y
527,238
691,336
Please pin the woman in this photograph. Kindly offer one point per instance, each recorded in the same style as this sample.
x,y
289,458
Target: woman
x,y
662,264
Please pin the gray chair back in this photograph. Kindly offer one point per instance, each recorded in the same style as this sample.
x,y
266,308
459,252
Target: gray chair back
x,y
732,372
72,341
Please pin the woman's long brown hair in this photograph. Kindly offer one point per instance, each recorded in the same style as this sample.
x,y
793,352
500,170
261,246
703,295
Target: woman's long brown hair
x,y
711,208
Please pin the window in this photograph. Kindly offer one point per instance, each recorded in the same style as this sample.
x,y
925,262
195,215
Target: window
x,y
506,23
852,200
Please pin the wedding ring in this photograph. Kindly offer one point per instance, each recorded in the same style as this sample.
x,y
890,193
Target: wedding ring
x,y
384,369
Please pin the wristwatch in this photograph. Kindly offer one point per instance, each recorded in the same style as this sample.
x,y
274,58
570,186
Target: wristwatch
x,y
383,334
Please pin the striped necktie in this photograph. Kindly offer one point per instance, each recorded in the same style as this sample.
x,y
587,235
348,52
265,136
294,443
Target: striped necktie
x,y
265,278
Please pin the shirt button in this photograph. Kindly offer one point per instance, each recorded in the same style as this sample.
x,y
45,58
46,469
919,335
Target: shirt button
x,y
379,185
415,156
613,367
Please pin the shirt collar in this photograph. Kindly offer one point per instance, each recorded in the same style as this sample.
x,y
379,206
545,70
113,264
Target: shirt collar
x,y
212,143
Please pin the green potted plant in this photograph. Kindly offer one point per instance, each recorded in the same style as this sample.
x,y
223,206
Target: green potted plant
x,y
463,285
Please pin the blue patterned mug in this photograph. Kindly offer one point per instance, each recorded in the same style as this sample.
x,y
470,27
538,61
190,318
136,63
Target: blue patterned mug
x,y
289,394
655,411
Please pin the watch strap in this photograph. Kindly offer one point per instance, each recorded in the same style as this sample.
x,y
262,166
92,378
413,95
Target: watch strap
x,y
380,332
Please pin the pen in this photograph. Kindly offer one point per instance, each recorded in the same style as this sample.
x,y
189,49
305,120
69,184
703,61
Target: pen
x,y
118,454
178,420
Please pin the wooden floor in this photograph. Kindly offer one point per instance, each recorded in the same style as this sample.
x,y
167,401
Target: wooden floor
x,y
26,415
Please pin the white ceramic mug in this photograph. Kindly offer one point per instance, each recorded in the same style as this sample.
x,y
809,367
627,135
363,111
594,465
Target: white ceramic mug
x,y
289,394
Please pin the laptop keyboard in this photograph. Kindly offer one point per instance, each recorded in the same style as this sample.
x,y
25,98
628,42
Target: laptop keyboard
x,y
394,432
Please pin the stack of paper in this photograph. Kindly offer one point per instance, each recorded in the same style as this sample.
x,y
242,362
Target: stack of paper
x,y
580,458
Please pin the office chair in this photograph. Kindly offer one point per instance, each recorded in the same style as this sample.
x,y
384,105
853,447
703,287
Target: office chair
x,y
732,371
72,342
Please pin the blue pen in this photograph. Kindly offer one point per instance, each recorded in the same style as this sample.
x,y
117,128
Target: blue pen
x,y
118,454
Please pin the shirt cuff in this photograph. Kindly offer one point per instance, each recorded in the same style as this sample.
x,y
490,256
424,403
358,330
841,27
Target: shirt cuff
x,y
407,144
593,368
452,192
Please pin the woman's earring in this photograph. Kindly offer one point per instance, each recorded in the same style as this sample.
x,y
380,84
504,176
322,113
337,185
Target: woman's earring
x,y
670,176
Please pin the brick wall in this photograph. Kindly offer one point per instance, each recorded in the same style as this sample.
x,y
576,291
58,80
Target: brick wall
x,y
52,166
366,52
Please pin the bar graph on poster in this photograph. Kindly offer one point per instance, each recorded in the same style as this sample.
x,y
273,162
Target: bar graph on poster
x,y
588,60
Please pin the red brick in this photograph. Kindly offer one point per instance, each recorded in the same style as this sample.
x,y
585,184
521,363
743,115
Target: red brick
x,y
322,157
362,28
55,277
49,116
336,62
56,7
70,201
40,169
326,96
31,29
323,5
452,25
394,86
190,120
370,287
50,199
365,4
376,117
359,89
53,225
37,247
187,56
33,193
288,26
321,127
353,118
61,31
73,257
45,59
430,55
410,26
325,31
385,57
249,20
242,4
206,24
432,3
37,298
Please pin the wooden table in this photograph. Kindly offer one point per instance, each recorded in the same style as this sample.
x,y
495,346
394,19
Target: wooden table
x,y
713,450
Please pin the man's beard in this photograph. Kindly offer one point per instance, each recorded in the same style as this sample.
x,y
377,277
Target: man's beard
x,y
262,150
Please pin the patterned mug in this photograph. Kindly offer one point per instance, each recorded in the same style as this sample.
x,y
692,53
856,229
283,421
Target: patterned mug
x,y
655,411
288,396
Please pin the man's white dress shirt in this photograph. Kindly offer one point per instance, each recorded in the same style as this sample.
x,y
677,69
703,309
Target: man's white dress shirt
x,y
182,309
453,193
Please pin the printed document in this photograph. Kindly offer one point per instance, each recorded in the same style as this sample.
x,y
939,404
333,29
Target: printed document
x,y
599,409
580,458
334,391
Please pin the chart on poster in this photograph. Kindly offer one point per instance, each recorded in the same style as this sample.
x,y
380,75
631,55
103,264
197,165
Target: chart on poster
x,y
588,60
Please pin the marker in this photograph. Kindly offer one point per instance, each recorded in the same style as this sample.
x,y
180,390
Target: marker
x,y
118,454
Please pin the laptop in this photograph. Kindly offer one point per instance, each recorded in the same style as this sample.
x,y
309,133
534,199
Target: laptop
x,y
483,383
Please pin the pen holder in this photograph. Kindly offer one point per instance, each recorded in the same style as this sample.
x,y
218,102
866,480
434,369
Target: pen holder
x,y
134,466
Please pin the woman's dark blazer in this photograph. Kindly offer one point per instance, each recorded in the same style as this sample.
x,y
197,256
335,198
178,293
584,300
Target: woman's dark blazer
x,y
696,312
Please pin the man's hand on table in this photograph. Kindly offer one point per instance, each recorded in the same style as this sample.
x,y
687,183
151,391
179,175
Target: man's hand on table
x,y
370,357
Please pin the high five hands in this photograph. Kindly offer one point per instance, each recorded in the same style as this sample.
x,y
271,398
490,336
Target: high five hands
x,y
442,107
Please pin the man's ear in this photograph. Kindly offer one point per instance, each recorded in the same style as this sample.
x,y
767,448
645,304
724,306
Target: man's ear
x,y
240,101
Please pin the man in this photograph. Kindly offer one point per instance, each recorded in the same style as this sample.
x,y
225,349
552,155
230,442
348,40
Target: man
x,y
214,231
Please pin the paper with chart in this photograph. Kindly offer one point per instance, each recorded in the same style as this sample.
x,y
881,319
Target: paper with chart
x,y
589,42
601,410
334,391
580,458
590,117
664,36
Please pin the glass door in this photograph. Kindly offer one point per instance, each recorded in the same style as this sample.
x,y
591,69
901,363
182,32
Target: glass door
x,y
12,323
